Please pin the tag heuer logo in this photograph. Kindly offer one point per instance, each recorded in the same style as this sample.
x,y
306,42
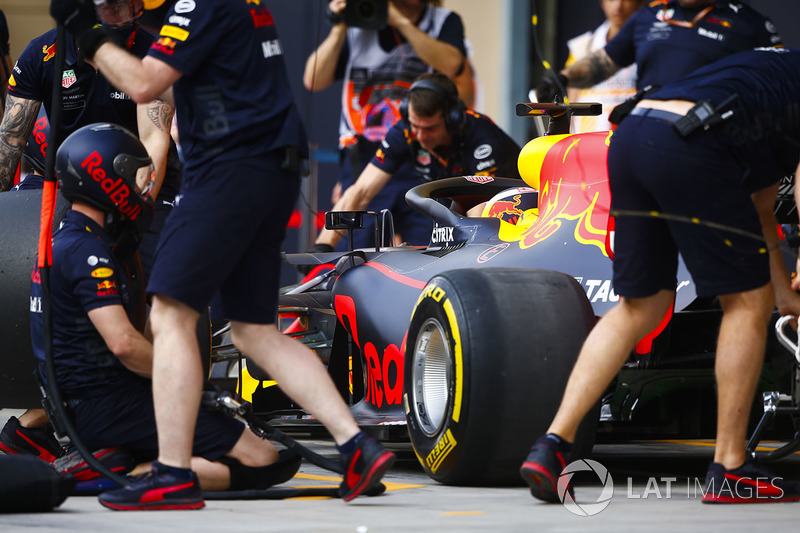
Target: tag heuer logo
x,y
479,179
423,157
68,79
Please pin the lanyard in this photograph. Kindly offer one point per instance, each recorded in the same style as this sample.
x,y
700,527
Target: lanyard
x,y
684,23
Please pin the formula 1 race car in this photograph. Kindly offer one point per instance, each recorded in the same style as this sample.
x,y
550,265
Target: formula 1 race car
x,y
465,345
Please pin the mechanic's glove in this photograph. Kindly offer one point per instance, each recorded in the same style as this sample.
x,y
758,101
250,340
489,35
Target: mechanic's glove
x,y
80,19
547,91
321,248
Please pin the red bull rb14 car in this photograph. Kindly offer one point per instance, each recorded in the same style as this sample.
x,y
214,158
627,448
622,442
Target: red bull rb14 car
x,y
464,346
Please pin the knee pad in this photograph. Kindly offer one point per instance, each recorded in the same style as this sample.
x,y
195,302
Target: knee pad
x,y
262,477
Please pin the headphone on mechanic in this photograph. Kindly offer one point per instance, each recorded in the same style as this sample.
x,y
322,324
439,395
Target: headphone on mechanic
x,y
455,112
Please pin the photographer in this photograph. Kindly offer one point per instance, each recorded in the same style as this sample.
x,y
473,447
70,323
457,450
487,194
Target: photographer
x,y
378,66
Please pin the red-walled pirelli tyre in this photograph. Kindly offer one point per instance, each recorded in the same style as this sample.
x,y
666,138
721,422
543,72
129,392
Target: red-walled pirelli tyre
x,y
487,358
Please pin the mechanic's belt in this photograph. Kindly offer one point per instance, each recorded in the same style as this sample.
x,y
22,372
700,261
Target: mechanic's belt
x,y
660,114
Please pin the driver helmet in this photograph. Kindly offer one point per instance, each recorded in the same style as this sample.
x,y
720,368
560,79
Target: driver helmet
x,y
36,149
513,204
101,164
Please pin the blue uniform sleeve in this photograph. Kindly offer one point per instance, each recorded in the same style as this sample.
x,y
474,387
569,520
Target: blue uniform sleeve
x,y
453,32
394,150
622,48
189,36
764,31
94,277
488,151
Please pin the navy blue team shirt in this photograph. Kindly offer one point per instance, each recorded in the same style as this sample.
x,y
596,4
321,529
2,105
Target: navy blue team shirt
x,y
764,129
84,276
664,51
234,98
480,148
86,94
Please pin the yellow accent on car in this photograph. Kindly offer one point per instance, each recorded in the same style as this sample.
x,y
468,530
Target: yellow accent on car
x,y
532,156
459,362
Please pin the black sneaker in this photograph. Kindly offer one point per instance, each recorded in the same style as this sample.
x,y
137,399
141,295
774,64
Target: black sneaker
x,y
750,483
163,488
90,482
542,471
364,467
41,442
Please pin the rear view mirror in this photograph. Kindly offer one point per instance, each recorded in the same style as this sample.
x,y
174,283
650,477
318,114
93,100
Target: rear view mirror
x,y
347,220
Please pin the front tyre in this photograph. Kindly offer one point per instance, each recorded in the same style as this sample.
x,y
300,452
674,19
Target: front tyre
x,y
487,358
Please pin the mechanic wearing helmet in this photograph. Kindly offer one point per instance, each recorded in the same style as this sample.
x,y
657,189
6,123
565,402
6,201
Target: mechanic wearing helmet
x,y
243,143
377,66
87,98
440,138
102,361
707,152
668,39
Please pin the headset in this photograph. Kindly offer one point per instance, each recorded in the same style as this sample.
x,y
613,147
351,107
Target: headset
x,y
455,112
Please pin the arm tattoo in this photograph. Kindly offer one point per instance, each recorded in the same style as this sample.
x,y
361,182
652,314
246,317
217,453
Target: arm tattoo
x,y
15,129
160,114
591,70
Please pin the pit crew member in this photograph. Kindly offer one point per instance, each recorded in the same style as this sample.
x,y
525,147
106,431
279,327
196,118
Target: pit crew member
x,y
440,138
668,39
102,360
88,97
243,144
705,154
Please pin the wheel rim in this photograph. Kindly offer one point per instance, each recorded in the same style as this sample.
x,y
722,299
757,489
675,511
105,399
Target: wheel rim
x,y
431,377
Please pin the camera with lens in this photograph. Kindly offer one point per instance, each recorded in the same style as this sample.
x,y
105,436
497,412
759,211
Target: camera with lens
x,y
366,14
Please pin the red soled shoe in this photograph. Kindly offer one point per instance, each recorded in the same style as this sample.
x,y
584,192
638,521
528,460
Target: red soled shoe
x,y
542,471
364,467
163,488
750,483
41,442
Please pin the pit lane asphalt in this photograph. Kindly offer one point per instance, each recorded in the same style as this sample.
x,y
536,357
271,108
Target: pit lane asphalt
x,y
654,489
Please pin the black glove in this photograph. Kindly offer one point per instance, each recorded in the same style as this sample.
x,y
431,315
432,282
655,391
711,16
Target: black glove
x,y
80,19
547,91
321,248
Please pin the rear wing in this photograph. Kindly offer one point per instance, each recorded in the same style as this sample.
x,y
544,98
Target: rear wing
x,y
559,114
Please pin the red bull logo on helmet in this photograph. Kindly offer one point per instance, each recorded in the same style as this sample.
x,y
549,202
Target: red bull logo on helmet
x,y
117,190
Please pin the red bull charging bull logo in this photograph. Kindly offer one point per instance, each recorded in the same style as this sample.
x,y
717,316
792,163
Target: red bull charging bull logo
x,y
571,175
